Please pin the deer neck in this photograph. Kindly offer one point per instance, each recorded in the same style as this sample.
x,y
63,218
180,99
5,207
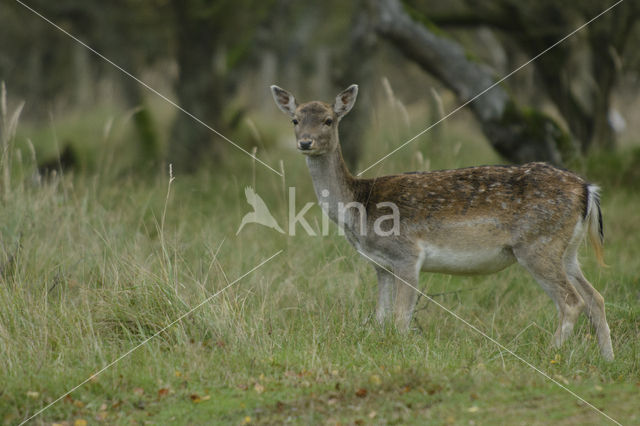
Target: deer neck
x,y
332,181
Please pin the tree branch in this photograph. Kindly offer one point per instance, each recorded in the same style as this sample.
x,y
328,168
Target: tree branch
x,y
517,134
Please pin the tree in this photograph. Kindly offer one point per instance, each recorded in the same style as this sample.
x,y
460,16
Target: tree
x,y
579,74
351,63
61,71
214,44
517,133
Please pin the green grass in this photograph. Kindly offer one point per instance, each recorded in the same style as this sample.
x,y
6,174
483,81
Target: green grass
x,y
94,264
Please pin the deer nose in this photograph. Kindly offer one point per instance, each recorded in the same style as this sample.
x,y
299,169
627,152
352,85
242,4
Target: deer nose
x,y
305,145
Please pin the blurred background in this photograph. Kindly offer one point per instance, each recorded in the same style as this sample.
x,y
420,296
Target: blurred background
x,y
415,61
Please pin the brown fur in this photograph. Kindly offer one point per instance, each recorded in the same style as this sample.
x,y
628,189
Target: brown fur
x,y
476,191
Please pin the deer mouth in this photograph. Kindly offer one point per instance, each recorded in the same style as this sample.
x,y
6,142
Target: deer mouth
x,y
307,146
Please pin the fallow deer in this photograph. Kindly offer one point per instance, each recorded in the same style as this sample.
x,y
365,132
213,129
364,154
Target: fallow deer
x,y
475,220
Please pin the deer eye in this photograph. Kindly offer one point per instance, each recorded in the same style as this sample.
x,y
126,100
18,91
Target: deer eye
x,y
328,122
295,122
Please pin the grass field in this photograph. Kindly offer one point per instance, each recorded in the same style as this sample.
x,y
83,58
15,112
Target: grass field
x,y
93,264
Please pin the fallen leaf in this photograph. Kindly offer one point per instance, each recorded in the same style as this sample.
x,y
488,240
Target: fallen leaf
x,y
78,403
405,389
258,388
163,392
473,409
177,373
433,389
138,391
197,398
372,415
103,407
80,422
68,399
375,380
304,372
359,422
33,394
361,393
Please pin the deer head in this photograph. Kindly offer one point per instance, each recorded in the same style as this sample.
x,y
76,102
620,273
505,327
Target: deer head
x,y
315,123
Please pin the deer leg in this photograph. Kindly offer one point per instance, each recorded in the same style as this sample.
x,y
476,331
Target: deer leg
x,y
406,296
550,274
594,307
385,294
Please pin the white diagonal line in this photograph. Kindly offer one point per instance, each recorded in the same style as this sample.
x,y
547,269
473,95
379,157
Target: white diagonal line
x,y
494,341
151,337
492,86
151,89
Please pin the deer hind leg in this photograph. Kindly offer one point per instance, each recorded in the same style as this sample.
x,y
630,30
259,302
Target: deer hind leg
x,y
406,281
548,270
386,282
594,306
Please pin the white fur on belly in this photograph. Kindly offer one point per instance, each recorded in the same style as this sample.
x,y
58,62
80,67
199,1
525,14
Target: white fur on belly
x,y
480,260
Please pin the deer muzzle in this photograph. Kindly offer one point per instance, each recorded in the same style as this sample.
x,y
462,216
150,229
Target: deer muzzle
x,y
305,144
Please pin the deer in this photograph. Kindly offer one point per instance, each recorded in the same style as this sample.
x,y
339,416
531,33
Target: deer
x,y
468,221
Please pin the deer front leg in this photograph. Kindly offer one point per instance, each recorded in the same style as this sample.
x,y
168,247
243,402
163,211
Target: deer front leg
x,y
406,280
385,294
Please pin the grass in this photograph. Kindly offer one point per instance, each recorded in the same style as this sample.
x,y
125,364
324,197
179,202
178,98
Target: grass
x,y
94,264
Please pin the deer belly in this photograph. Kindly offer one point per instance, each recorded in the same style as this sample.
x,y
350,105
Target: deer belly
x,y
465,260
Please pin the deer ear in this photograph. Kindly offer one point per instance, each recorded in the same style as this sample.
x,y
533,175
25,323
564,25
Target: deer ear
x,y
345,100
285,100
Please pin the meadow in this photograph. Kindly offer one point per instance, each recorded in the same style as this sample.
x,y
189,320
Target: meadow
x,y
94,262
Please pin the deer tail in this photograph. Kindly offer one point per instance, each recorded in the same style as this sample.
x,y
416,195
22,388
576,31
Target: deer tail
x,y
593,218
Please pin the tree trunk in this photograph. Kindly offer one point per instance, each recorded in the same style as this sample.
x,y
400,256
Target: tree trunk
x,y
553,67
518,134
584,103
608,39
198,89
352,64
